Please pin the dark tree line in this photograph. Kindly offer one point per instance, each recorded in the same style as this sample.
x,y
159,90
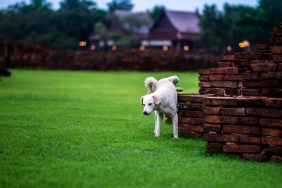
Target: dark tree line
x,y
76,20
235,24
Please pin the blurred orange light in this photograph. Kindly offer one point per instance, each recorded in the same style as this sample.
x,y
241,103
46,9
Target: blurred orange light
x,y
186,48
142,48
165,48
93,48
229,48
114,47
82,43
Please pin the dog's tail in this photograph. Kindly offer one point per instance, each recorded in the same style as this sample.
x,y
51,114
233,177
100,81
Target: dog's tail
x,y
151,84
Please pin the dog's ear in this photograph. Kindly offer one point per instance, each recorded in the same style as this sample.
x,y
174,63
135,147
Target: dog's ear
x,y
141,100
157,100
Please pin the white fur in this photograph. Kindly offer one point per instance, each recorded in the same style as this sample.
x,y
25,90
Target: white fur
x,y
162,99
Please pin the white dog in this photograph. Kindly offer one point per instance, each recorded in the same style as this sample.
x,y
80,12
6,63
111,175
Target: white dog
x,y
162,98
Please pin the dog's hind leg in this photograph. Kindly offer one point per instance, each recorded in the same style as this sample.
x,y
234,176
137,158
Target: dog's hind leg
x,y
159,120
175,125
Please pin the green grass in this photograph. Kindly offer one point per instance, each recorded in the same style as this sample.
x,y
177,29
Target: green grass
x,y
86,129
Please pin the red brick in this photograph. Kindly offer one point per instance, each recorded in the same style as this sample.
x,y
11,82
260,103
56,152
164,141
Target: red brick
x,y
191,97
257,55
250,76
214,147
217,77
248,120
212,137
226,58
271,140
272,102
184,127
194,114
212,119
215,91
232,92
224,70
235,148
204,78
204,84
242,55
263,67
196,106
279,66
254,156
197,128
261,83
273,149
271,75
276,158
264,112
204,71
194,121
276,49
183,106
270,122
277,58
263,47
233,111
233,78
241,129
230,120
211,110
225,64
218,101
225,84
242,62
250,92
249,139
212,128
273,92
270,132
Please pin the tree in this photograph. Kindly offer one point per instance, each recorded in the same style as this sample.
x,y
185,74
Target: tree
x,y
155,13
77,4
120,5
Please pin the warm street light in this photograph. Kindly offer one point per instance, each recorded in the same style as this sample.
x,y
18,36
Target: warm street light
x,y
82,43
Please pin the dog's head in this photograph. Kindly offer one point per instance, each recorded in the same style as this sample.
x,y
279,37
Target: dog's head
x,y
150,103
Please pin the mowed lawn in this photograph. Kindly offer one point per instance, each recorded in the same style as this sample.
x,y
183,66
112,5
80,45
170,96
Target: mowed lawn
x,y
86,129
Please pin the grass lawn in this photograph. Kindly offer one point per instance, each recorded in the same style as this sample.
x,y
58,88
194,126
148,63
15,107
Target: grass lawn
x,y
86,129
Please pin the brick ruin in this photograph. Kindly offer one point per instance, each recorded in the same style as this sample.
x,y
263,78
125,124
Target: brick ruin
x,y
239,106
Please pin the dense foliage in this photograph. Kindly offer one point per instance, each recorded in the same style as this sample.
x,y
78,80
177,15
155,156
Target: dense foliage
x,y
77,20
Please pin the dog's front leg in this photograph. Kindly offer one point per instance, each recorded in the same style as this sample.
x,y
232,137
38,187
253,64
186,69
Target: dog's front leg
x,y
175,125
159,120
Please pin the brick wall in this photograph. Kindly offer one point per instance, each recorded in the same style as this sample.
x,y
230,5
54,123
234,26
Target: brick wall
x,y
239,106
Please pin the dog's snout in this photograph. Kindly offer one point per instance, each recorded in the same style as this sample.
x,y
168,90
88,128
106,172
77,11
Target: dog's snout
x,y
145,113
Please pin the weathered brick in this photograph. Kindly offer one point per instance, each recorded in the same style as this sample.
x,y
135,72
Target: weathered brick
x,y
226,58
212,137
204,71
250,76
273,149
249,139
270,132
204,78
194,114
261,83
233,78
217,77
214,147
272,102
218,101
241,129
235,148
204,84
233,111
248,120
191,97
183,127
276,49
212,119
196,106
212,128
197,128
276,158
263,67
272,92
254,156
232,92
230,120
277,58
225,64
270,122
224,70
250,92
215,91
264,112
271,141
212,110
194,121
271,75
227,84
243,62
